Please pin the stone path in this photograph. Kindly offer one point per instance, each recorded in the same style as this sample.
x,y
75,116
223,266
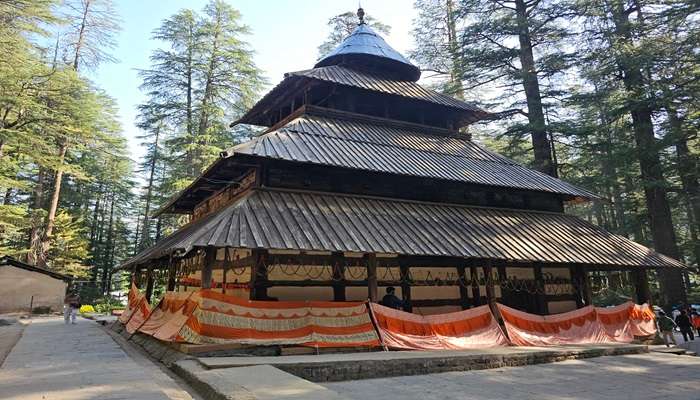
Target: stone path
x,y
54,361
639,377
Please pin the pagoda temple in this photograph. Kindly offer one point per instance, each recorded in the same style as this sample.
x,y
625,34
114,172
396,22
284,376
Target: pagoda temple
x,y
363,179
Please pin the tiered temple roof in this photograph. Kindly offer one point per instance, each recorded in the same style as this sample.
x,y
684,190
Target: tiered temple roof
x,y
358,157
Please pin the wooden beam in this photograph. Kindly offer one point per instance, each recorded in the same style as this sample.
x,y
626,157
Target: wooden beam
x,y
542,307
258,277
476,294
172,275
406,288
463,292
209,260
372,289
582,286
436,302
641,286
490,291
338,279
149,284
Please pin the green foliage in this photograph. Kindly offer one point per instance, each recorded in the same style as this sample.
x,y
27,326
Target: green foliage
x,y
342,25
202,78
53,119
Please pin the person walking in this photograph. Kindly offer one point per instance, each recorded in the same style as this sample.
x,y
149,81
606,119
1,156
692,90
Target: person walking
x,y
666,326
685,325
71,304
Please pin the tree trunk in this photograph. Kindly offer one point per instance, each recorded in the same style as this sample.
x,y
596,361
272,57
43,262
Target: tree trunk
x,y
457,89
146,235
37,223
106,265
664,237
53,207
81,34
541,145
190,131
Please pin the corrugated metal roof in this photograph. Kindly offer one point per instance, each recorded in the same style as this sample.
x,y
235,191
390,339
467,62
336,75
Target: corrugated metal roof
x,y
275,219
364,41
382,84
389,148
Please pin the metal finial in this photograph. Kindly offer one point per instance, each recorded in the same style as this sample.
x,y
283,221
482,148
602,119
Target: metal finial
x,y
361,15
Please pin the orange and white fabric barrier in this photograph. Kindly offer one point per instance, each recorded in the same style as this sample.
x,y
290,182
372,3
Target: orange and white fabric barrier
x,y
206,316
468,329
137,310
168,317
619,324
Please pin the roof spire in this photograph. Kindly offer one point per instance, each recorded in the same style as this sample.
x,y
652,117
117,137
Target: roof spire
x,y
361,14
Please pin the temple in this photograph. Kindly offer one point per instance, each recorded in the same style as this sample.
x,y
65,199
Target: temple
x,y
363,179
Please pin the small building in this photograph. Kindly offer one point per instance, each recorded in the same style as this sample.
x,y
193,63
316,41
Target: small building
x,y
25,287
363,179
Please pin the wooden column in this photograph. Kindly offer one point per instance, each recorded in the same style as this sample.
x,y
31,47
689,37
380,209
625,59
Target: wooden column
x,y
372,288
641,285
576,284
583,286
405,286
338,278
258,276
149,283
172,274
136,276
490,291
542,307
476,293
503,277
463,292
209,261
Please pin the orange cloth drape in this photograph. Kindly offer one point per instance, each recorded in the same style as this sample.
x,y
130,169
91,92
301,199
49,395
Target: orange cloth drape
x,y
206,316
619,324
137,310
468,329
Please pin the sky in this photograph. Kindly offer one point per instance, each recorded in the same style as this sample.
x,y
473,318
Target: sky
x,y
285,35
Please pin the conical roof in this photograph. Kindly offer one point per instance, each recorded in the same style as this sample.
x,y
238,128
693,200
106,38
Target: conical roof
x,y
365,48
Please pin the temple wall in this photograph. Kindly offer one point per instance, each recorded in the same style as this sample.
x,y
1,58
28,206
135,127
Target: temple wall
x,y
18,286
447,290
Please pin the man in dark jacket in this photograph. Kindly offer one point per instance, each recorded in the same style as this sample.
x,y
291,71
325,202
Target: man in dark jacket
x,y
390,300
666,326
685,325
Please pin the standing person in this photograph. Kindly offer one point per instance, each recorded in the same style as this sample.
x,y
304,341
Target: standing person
x,y
685,326
666,326
71,304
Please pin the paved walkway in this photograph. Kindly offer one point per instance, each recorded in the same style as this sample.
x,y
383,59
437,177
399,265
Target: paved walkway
x,y
54,361
640,377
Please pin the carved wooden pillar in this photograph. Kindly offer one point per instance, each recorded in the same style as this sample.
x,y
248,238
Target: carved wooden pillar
x,y
405,286
149,283
641,285
258,276
172,273
541,296
463,292
372,287
338,278
476,293
208,267
490,291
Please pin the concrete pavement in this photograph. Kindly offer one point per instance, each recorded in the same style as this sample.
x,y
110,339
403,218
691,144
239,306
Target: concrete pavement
x,y
54,361
651,376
